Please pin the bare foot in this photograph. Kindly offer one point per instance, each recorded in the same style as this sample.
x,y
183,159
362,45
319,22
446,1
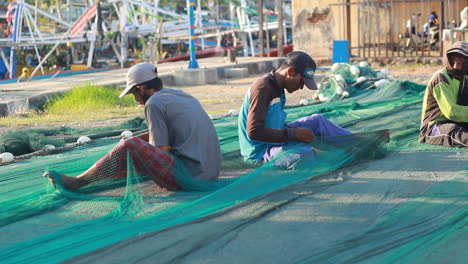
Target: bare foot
x,y
62,181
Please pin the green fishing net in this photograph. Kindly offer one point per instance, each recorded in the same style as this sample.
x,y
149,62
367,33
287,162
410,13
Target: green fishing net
x,y
40,224
346,79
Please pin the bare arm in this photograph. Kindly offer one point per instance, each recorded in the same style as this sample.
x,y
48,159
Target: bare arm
x,y
256,119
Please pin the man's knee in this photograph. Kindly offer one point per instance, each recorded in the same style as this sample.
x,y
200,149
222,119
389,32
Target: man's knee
x,y
128,143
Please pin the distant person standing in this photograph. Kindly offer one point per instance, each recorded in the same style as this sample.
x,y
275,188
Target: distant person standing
x,y
445,105
225,42
433,22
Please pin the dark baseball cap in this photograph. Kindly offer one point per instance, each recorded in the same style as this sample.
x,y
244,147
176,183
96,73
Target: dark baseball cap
x,y
305,65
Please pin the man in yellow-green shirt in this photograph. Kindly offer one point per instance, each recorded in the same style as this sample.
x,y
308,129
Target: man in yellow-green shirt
x,y
445,105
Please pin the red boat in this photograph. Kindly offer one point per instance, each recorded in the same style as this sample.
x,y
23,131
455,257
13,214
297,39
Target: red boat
x,y
200,54
220,51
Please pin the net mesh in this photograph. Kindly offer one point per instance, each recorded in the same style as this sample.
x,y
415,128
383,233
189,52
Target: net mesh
x,y
42,224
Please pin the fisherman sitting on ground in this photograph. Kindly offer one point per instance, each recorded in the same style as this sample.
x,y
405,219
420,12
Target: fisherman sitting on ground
x,y
445,104
262,130
179,128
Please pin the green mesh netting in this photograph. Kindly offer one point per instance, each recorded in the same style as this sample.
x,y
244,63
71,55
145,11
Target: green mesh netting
x,y
30,140
346,80
40,224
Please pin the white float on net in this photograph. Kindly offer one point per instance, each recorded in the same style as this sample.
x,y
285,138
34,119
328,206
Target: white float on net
x,y
335,66
361,79
48,147
381,82
6,157
354,70
363,64
126,134
233,112
83,140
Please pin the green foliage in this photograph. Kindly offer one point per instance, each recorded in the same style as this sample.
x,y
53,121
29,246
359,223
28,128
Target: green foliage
x,y
88,98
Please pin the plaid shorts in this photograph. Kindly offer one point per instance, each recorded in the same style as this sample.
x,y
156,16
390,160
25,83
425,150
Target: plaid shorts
x,y
149,160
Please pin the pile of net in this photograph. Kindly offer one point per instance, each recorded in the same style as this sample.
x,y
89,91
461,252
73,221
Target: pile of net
x,y
347,79
40,224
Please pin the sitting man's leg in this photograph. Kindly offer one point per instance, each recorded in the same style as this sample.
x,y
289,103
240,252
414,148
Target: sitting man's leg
x,y
320,125
448,134
151,161
288,156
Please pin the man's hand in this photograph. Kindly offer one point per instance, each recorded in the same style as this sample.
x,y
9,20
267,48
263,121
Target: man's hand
x,y
304,135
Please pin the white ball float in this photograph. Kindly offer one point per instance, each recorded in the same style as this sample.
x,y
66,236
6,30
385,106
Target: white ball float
x,y
6,157
361,79
381,75
380,83
335,66
126,134
363,64
48,147
385,71
340,79
304,102
233,112
354,70
321,97
339,90
83,140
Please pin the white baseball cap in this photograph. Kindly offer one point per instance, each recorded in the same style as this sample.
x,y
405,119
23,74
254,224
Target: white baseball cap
x,y
138,74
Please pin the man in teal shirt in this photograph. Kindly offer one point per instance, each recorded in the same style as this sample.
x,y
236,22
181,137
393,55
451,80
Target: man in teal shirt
x,y
263,132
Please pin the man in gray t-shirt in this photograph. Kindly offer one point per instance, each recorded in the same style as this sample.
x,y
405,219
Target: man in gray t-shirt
x,y
177,119
179,128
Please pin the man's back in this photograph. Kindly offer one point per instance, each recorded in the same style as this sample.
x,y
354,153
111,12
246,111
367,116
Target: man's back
x,y
178,120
